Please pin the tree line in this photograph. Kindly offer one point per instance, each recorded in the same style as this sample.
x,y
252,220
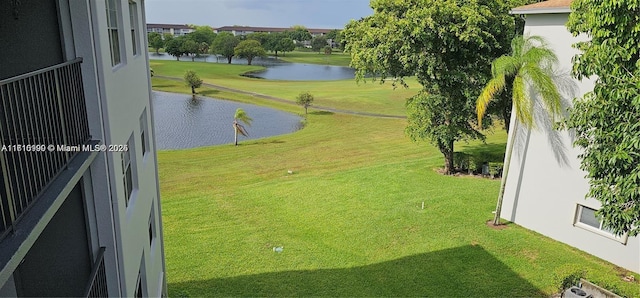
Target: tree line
x,y
204,41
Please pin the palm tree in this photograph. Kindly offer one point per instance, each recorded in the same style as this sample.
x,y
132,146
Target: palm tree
x,y
529,67
240,116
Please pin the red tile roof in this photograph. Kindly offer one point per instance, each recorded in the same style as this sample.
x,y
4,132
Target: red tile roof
x,y
545,6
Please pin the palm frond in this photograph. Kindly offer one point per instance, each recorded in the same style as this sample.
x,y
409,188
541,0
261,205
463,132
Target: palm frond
x,y
505,65
541,80
241,115
521,102
494,86
542,57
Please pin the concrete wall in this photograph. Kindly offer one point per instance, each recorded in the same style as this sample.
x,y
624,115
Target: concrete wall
x,y
32,40
124,96
545,183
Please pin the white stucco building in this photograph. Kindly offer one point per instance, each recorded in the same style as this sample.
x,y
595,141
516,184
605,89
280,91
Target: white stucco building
x,y
173,29
79,197
546,189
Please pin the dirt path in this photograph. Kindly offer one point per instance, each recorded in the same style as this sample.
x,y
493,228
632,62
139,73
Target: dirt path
x,y
268,97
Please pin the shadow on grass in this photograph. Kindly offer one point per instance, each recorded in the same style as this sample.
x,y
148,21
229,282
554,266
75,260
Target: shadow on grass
x,y
486,152
321,113
263,142
466,271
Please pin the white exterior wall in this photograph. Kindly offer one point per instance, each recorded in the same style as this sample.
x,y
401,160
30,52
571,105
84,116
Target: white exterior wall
x,y
125,94
545,182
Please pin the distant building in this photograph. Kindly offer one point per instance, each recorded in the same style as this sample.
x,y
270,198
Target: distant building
x,y
80,206
546,189
244,30
173,29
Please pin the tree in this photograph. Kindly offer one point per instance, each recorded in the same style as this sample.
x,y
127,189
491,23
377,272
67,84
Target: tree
x,y
249,49
333,34
336,38
189,47
174,47
269,41
263,37
240,116
285,45
304,99
224,45
318,43
606,119
529,64
202,34
448,45
192,80
155,41
299,34
328,50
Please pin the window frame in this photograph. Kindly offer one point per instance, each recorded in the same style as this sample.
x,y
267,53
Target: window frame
x,y
129,172
144,133
577,222
133,22
114,31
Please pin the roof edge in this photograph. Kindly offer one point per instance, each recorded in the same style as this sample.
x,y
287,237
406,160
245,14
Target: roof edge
x,y
541,10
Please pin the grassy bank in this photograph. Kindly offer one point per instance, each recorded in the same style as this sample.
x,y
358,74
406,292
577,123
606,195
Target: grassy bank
x,y
337,58
349,219
344,94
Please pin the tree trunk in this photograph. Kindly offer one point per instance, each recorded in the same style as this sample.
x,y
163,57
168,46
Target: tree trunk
x,y
193,58
305,110
178,58
276,54
448,157
249,60
193,90
235,133
505,174
229,59
157,51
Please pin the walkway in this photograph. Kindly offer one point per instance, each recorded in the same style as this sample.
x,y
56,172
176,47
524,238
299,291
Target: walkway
x,y
268,97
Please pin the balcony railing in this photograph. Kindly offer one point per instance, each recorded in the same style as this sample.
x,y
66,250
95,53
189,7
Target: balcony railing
x,y
42,116
97,285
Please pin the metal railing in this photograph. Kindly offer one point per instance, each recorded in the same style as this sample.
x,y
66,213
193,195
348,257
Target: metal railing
x,y
43,116
97,285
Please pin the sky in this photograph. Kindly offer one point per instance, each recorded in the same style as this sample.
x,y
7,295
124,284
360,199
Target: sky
x,y
325,14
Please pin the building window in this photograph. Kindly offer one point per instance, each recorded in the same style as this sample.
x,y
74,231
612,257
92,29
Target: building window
x,y
152,225
133,17
127,175
586,218
112,27
129,178
144,134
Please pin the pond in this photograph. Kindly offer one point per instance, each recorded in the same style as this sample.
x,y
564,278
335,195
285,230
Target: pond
x,y
184,122
277,69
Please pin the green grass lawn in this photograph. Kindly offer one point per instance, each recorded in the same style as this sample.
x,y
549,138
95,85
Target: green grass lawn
x,y
343,94
336,58
349,218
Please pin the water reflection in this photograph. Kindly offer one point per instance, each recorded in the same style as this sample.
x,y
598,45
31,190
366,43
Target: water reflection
x,y
182,121
278,69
